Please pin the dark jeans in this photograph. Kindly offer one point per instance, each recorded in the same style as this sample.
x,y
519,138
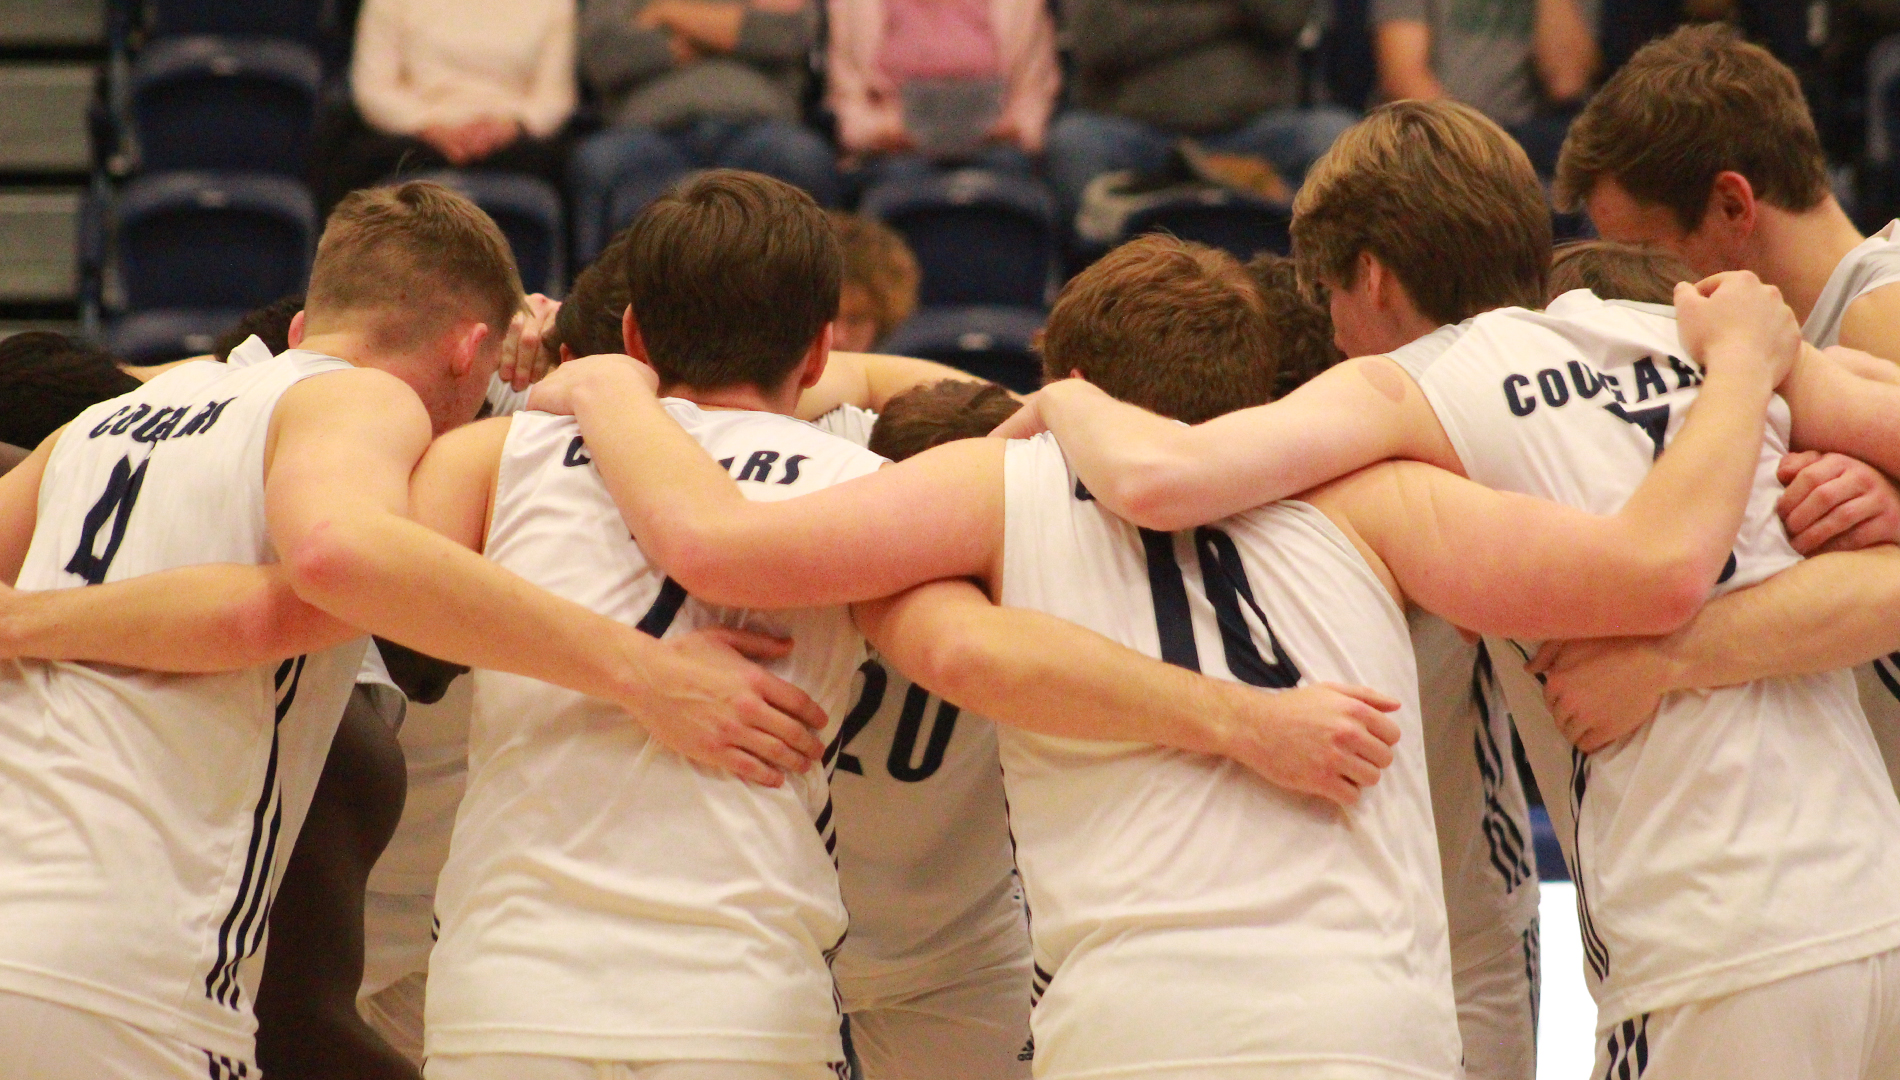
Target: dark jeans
x,y
350,154
620,170
878,169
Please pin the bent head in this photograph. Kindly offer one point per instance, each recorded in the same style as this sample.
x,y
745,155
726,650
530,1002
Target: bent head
x,y
46,379
733,280
1682,144
1302,330
941,412
422,282
1172,326
589,322
1616,271
881,277
1443,202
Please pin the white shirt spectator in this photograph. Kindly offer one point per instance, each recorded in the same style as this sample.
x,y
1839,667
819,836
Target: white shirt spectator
x,y
419,63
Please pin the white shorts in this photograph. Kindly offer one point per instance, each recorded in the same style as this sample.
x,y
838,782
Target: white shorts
x,y
535,1067
1497,1012
398,933
395,1013
1838,1023
974,1029
72,1044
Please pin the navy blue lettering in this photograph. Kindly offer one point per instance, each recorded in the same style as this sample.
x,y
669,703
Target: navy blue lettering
x,y
576,455
759,466
1551,382
791,468
1653,421
904,741
1616,387
137,415
122,491
1648,378
107,422
1083,494
202,422
1728,569
876,681
726,463
1686,375
1519,406
158,426
1589,383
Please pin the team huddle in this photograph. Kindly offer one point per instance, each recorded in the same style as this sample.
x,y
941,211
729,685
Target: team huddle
x,y
1171,733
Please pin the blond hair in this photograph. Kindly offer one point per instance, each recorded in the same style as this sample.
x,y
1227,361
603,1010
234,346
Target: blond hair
x,y
879,261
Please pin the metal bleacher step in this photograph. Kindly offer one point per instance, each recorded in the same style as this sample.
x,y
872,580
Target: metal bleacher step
x,y
39,233
43,117
55,23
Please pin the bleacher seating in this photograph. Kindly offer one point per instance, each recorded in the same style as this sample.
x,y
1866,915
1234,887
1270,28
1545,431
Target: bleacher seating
x,y
195,241
529,213
155,337
980,237
228,104
992,342
307,21
1881,186
1219,217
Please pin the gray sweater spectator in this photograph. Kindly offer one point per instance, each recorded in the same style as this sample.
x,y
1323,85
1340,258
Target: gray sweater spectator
x,y
1190,66
659,63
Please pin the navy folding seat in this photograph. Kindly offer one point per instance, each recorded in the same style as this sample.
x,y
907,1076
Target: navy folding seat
x,y
1219,217
308,21
1881,185
991,342
980,237
155,337
212,240
528,210
229,104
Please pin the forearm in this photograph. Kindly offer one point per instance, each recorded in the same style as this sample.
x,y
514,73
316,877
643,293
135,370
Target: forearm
x,y
1565,50
192,620
870,380
1835,409
1402,49
709,24
775,37
1826,613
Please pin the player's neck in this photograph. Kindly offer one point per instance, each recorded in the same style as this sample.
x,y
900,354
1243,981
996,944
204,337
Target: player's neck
x,y
349,346
747,398
1797,252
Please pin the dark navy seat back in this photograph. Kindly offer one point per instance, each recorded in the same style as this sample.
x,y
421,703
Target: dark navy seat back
x,y
980,237
528,210
211,240
990,342
1220,218
156,337
233,104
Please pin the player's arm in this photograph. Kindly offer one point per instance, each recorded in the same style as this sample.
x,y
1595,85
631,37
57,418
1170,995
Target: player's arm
x,y
1872,324
20,508
937,515
1162,475
1043,674
1823,614
1834,409
869,380
336,496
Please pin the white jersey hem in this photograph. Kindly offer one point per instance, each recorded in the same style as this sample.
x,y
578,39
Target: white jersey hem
x,y
467,1041
108,1002
1282,1064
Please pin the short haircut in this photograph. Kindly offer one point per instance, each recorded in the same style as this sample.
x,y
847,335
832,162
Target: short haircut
x,y
1172,326
589,320
1302,330
46,379
1686,107
270,323
1441,196
927,416
877,260
1617,271
406,262
732,276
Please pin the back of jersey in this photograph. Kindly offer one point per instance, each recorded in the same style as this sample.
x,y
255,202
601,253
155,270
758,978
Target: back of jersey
x,y
604,897
1184,911
1749,833
146,818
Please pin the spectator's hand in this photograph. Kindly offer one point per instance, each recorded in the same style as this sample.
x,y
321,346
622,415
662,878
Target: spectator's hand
x,y
492,133
683,51
708,701
1601,690
451,141
1327,740
615,373
709,27
892,142
1836,503
525,357
1006,130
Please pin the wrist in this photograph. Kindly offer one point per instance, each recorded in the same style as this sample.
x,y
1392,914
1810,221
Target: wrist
x,y
1737,366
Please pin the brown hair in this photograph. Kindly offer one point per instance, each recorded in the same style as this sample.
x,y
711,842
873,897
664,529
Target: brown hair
x,y
270,324
927,416
1686,107
1302,330
589,320
415,258
47,379
731,276
1441,196
1175,327
1617,271
877,260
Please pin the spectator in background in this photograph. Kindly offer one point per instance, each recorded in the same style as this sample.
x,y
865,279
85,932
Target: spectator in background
x,y
920,83
1147,72
1526,64
879,290
693,84
452,83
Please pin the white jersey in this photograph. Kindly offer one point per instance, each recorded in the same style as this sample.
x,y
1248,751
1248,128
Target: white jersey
x,y
850,423
1478,802
1186,914
605,898
145,819
1746,834
1874,264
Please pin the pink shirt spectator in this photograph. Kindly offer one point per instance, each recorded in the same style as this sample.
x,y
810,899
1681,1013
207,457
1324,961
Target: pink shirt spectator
x,y
865,72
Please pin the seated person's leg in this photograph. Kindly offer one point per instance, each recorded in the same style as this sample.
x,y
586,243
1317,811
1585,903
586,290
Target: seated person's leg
x,y
1083,145
789,152
639,161
1290,139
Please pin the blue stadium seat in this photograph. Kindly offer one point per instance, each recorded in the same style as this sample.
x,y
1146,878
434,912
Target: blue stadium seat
x,y
980,237
528,210
212,240
991,342
1219,217
1882,184
155,337
227,104
308,21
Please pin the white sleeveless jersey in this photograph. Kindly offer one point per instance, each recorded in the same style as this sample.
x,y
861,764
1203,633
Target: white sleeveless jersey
x,y
1874,264
145,819
604,898
1478,802
1746,834
850,423
1187,915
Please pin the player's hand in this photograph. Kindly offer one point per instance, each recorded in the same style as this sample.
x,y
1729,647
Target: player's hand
x,y
609,372
1836,503
1600,690
1024,423
1734,318
524,354
706,700
1327,740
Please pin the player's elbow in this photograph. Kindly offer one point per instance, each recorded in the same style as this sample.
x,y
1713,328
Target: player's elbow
x,y
327,564
1672,591
1147,493
955,661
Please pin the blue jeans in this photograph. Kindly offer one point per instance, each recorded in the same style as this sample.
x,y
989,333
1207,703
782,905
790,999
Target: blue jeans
x,y
617,172
996,157
1084,145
